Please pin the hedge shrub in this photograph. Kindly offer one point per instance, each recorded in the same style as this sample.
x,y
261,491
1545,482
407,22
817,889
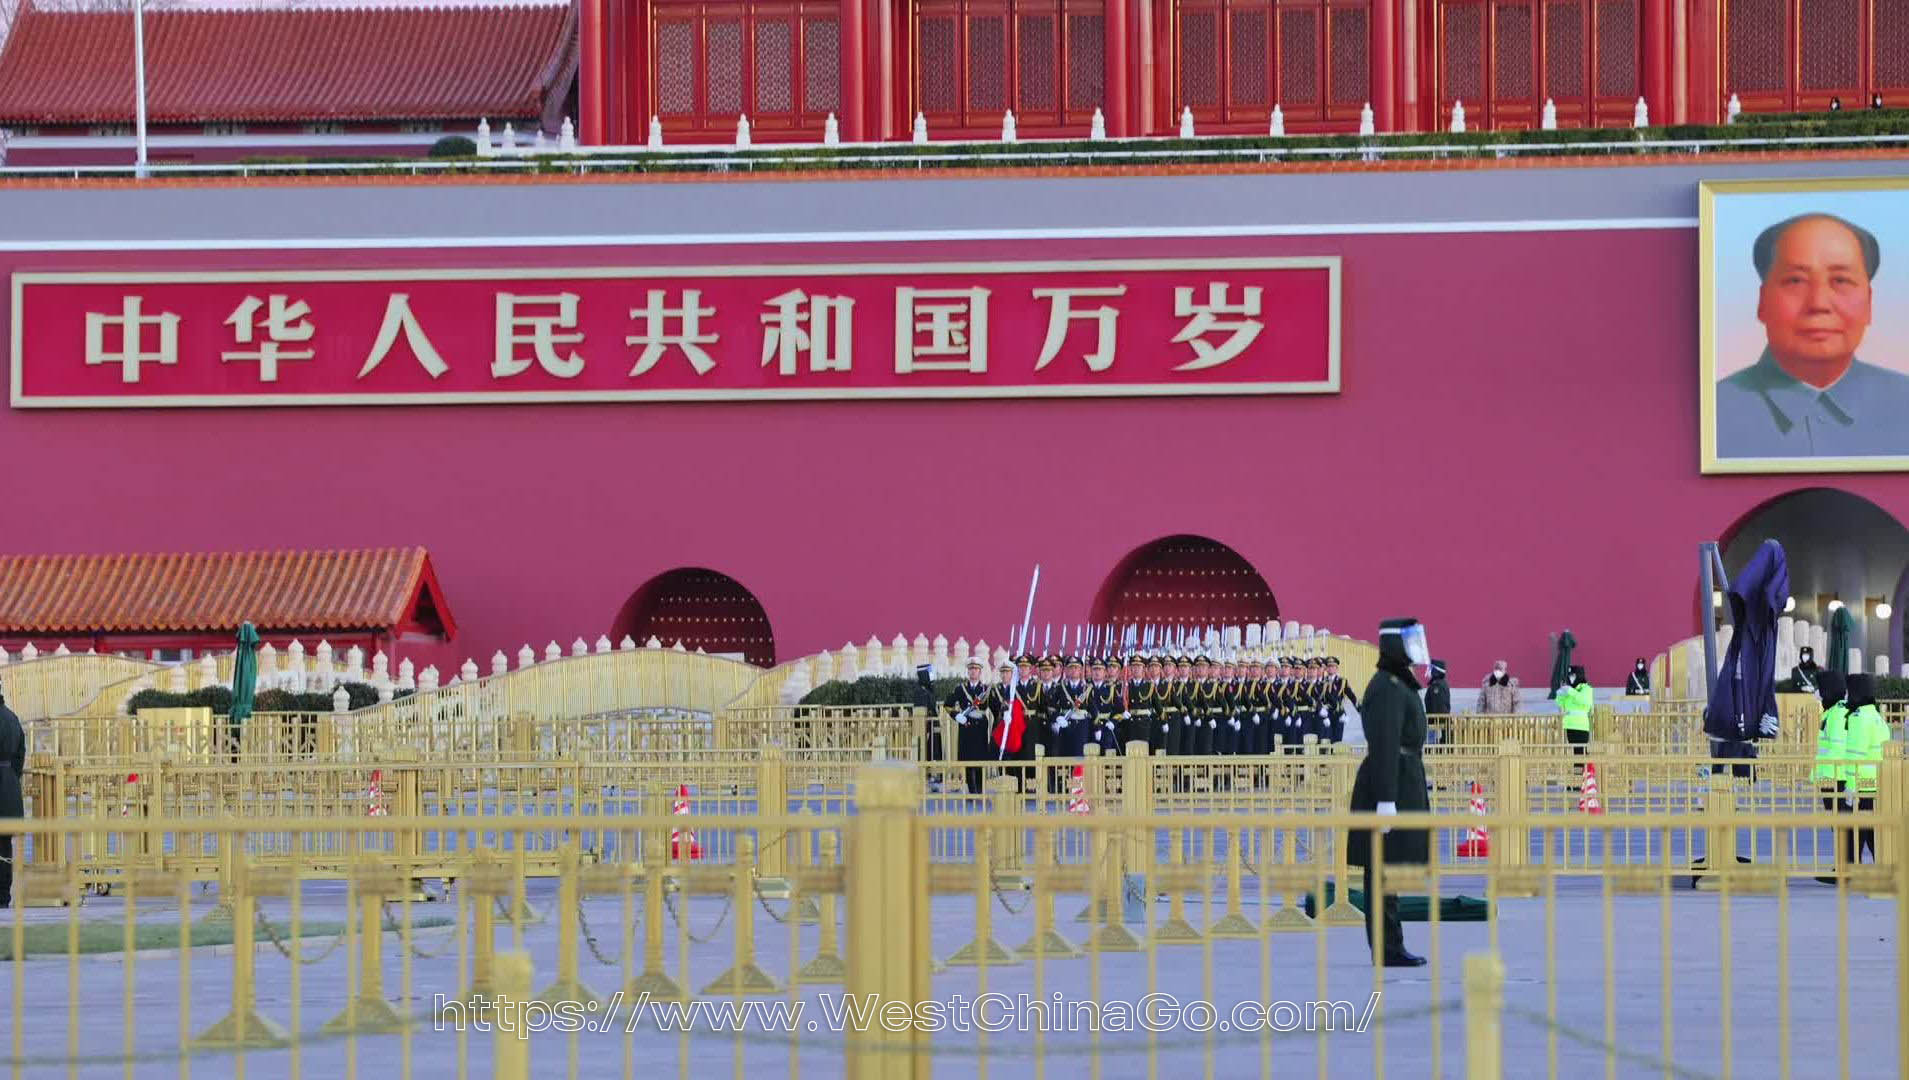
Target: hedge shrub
x,y
874,690
219,699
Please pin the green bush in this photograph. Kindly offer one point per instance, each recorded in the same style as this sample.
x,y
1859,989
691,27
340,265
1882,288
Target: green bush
x,y
219,700
874,690
454,146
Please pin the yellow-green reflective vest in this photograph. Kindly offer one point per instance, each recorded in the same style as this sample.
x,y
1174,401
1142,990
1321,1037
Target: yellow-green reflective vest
x,y
1868,733
1575,703
1832,739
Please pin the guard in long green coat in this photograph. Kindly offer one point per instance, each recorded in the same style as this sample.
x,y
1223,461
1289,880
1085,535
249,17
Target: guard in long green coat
x,y
1392,776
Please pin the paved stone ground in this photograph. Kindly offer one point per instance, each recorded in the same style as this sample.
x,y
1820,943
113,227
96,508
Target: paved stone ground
x,y
1294,973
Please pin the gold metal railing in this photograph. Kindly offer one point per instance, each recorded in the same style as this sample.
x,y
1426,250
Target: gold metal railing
x,y
1097,915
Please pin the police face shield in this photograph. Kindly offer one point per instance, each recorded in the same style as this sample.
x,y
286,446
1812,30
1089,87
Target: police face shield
x,y
1416,651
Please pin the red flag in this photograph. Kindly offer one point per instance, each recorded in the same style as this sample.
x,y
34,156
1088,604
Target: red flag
x,y
1007,736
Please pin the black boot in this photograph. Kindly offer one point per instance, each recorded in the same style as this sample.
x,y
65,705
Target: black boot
x,y
1401,958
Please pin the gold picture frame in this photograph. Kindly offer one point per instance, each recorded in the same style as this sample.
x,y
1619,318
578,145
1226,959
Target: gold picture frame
x,y
1724,208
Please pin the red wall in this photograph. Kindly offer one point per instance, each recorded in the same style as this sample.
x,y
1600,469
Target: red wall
x,y
1514,452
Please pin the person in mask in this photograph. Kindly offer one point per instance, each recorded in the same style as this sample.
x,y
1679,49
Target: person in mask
x,y
1574,703
1638,684
1438,701
1862,756
1500,690
1805,674
1391,779
1832,738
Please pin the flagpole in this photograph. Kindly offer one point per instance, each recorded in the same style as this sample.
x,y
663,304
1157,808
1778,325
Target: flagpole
x,y
139,77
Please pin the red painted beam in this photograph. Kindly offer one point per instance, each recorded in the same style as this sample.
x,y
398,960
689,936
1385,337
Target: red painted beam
x,y
594,90
1657,60
1384,64
1118,62
855,89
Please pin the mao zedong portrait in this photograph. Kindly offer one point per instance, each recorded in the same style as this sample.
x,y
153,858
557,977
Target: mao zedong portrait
x,y
1809,395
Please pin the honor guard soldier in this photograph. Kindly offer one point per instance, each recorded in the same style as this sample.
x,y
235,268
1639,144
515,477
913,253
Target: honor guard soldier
x,y
1069,717
1136,713
1312,713
1291,727
1256,730
968,707
1167,710
1104,707
1007,733
1337,694
1204,708
1226,737
1180,693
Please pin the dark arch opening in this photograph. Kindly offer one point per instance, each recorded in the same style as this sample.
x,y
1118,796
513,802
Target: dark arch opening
x,y
1184,581
1838,546
702,609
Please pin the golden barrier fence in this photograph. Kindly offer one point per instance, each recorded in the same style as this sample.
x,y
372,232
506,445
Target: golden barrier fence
x,y
896,941
451,734
55,685
712,786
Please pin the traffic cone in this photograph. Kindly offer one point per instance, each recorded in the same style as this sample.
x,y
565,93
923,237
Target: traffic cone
x,y
1477,843
1587,796
678,839
1077,793
374,794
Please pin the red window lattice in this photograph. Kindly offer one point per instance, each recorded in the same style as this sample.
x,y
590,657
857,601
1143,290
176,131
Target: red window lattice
x,y
1564,50
1298,57
1831,44
1349,63
777,63
1511,52
1891,47
1758,44
975,59
1086,62
1617,50
1462,58
1237,58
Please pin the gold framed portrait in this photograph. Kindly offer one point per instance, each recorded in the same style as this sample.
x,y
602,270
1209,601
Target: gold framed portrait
x,y
1803,333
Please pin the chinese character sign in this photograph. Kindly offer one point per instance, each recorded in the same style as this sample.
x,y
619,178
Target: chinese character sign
x,y
1002,329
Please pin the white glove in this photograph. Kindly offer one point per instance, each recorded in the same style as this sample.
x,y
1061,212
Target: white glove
x,y
1235,722
1768,727
1058,725
1387,809
1213,722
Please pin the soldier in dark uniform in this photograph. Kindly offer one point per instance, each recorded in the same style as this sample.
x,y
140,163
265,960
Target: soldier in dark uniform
x,y
1203,709
1184,699
1303,720
1136,695
1226,737
1804,674
1337,695
1009,741
1167,710
1256,729
1104,707
1279,733
968,706
1068,719
1391,779
1150,707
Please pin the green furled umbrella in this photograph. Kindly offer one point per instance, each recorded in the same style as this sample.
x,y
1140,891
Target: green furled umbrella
x,y
245,677
1563,645
1841,626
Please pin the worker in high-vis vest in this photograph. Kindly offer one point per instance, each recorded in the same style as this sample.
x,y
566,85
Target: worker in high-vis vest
x,y
1574,701
1868,734
1832,737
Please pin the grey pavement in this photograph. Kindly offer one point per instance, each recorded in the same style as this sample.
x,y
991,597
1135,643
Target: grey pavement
x,y
1289,963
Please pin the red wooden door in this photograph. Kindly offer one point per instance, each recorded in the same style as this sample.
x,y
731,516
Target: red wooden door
x,y
1504,58
1798,55
1233,60
973,60
779,64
